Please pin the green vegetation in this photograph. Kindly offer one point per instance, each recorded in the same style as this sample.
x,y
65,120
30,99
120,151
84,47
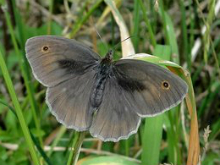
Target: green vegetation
x,y
185,32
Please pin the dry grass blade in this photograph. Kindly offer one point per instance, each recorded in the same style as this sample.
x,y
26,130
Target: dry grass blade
x,y
194,148
101,21
127,46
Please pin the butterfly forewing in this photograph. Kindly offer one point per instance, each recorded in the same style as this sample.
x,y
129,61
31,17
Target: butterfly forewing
x,y
56,59
153,88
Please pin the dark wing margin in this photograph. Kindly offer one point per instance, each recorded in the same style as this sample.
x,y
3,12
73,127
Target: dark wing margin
x,y
55,59
154,89
115,119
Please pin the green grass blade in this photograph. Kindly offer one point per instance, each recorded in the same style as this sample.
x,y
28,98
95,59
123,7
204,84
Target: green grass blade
x,y
173,129
41,151
136,25
76,145
152,140
185,48
153,126
24,70
36,142
207,38
18,110
82,20
194,148
169,32
55,142
127,48
49,27
150,30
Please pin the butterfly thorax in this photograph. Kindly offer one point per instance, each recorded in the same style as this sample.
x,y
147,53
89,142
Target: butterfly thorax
x,y
103,72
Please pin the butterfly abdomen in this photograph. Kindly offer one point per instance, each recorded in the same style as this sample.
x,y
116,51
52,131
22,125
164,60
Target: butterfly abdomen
x,y
99,86
97,94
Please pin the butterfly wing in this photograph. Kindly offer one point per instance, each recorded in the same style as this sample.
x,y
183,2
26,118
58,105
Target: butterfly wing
x,y
66,68
135,89
69,101
114,119
153,88
55,59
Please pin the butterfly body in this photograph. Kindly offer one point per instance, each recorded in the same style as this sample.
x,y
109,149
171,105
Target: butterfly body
x,y
80,83
99,86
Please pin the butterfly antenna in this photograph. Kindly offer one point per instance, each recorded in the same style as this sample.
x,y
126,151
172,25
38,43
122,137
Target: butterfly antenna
x,y
114,47
100,37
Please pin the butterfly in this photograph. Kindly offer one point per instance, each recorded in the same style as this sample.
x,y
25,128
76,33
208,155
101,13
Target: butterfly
x,y
107,98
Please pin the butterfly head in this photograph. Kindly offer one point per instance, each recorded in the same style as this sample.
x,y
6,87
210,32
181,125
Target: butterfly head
x,y
109,55
107,60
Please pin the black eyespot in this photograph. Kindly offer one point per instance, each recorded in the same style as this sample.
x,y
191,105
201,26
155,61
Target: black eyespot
x,y
165,85
45,48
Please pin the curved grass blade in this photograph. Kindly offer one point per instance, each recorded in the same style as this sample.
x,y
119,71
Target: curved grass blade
x,y
127,46
18,110
23,64
36,142
194,148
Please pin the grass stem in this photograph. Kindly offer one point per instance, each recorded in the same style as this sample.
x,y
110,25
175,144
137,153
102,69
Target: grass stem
x,y
76,145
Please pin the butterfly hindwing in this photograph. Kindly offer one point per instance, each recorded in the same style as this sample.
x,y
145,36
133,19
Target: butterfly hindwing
x,y
69,101
115,119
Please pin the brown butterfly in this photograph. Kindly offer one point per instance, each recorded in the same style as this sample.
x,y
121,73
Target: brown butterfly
x,y
108,98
